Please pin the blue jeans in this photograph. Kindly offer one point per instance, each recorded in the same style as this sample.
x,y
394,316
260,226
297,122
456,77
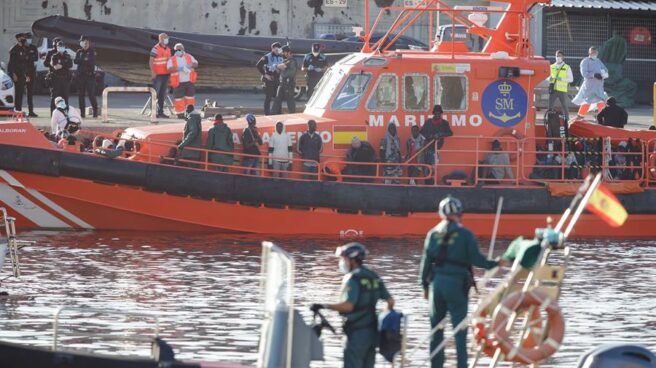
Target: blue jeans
x,y
252,162
161,85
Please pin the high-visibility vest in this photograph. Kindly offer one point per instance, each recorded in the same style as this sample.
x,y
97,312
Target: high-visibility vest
x,y
159,61
559,85
175,75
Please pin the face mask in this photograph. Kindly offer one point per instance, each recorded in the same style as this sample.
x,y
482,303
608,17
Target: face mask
x,y
82,43
593,56
343,267
29,41
62,105
61,50
315,53
165,41
179,53
559,59
277,50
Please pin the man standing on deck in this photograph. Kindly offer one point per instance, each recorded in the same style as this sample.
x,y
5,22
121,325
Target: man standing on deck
x,y
309,147
434,130
286,89
559,80
592,91
182,67
445,274
280,151
191,136
251,141
314,64
361,290
268,67
159,56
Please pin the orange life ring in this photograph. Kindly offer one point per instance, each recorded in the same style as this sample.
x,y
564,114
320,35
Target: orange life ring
x,y
489,343
652,165
509,132
548,346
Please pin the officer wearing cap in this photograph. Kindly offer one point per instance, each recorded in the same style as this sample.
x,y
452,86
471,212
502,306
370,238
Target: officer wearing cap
x,y
446,276
85,58
17,68
268,68
60,64
361,290
286,89
314,64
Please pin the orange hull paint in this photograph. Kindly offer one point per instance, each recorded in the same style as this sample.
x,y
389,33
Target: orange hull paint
x,y
114,207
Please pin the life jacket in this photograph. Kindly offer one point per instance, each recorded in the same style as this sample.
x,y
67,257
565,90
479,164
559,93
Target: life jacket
x,y
175,75
559,71
159,61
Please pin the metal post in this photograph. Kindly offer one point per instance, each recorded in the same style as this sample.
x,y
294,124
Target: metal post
x,y
153,100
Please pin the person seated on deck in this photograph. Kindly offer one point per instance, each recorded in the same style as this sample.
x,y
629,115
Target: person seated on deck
x,y
613,115
502,159
219,138
390,152
108,149
360,152
69,144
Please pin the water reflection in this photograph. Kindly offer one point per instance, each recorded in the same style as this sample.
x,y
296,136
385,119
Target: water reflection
x,y
205,290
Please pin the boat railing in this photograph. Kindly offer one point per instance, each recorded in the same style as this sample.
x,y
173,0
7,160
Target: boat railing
x,y
139,337
17,116
650,163
342,170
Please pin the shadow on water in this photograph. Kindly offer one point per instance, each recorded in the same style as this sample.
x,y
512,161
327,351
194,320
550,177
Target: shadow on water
x,y
205,290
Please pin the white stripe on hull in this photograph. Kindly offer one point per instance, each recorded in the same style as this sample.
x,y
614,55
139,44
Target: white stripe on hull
x,y
57,208
29,209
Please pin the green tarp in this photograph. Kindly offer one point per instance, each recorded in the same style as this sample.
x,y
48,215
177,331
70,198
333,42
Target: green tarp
x,y
527,250
613,54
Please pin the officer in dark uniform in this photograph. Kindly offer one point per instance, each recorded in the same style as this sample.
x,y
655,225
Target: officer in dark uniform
x,y
268,67
287,87
85,58
33,57
361,290
52,51
445,274
18,69
314,64
59,74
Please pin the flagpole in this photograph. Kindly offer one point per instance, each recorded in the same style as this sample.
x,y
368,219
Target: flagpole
x,y
582,204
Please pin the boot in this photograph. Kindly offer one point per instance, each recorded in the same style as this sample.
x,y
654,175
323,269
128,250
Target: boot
x,y
95,112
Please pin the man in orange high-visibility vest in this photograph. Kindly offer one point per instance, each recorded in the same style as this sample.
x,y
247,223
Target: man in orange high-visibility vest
x,y
159,56
182,67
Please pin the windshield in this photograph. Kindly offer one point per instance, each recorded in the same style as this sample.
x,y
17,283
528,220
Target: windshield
x,y
351,94
326,87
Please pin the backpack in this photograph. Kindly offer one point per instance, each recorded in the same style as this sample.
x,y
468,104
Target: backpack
x,y
390,335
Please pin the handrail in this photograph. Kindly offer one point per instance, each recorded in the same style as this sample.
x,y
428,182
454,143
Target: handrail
x,y
18,115
331,163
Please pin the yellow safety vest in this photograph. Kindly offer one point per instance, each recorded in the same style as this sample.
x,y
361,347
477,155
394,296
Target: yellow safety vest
x,y
559,72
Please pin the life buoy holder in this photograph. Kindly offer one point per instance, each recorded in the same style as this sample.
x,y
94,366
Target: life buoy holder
x,y
509,132
652,165
551,341
489,342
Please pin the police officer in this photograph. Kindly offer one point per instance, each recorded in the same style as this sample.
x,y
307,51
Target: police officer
x,y
33,57
286,89
18,69
361,289
85,58
60,74
268,67
314,64
445,274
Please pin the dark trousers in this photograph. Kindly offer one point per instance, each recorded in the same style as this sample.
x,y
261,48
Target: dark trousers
x,y
19,89
286,92
270,90
87,86
562,97
312,79
59,87
160,84
30,91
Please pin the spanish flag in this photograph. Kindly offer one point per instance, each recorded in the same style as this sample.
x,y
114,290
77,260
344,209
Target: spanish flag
x,y
604,204
343,134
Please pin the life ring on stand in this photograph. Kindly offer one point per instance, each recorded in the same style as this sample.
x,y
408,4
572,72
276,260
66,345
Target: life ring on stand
x,y
489,342
509,132
548,345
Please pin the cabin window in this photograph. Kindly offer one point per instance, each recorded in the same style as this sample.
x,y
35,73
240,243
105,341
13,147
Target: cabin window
x,y
384,96
351,94
326,88
451,92
415,92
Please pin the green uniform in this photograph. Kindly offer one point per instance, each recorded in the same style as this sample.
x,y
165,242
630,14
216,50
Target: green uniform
x,y
363,288
450,282
219,138
191,137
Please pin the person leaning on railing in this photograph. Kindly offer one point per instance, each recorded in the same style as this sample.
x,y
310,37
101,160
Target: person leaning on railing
x,y
361,152
219,138
435,130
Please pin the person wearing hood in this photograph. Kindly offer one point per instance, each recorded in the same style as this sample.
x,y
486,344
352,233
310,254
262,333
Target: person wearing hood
x,y
268,68
60,74
390,152
559,80
314,64
251,144
182,67
592,91
65,120
191,136
445,275
612,115
219,138
280,151
359,155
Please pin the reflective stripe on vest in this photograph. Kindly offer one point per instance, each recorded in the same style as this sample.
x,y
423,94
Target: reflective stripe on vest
x,y
175,74
159,61
560,85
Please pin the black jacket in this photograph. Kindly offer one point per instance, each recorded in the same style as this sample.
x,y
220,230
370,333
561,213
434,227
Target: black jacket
x,y
86,61
613,116
18,61
66,62
309,146
437,132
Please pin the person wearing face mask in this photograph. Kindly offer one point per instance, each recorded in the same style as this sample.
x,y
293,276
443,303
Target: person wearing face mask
x,y
159,73
60,74
65,120
445,275
286,88
268,68
592,91
85,58
17,68
390,152
182,67
314,64
559,80
361,290
280,151
309,147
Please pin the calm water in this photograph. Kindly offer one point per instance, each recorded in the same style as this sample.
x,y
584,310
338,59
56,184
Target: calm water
x,y
205,291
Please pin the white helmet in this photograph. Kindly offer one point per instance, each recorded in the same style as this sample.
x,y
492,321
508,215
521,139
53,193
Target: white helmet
x,y
450,206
